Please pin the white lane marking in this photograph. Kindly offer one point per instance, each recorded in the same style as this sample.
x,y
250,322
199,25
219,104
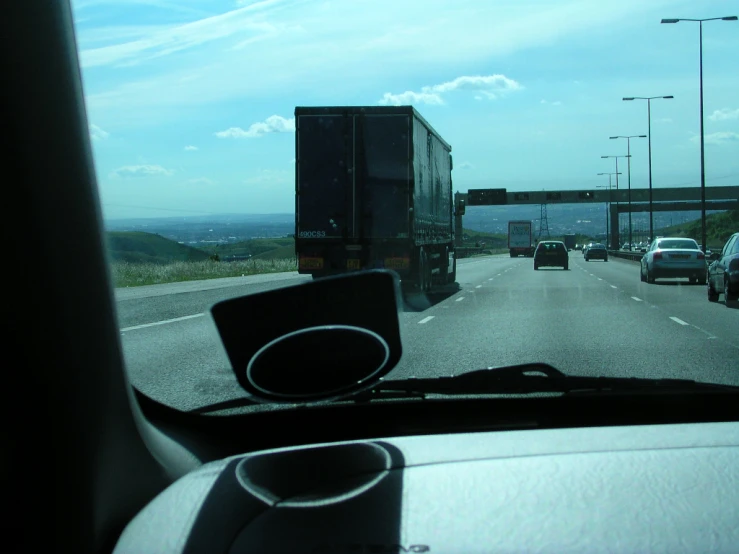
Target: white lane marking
x,y
614,286
490,279
459,299
164,322
498,275
478,286
635,298
599,279
678,320
426,319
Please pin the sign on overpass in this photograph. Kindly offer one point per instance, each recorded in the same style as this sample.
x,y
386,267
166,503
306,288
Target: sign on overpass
x,y
499,197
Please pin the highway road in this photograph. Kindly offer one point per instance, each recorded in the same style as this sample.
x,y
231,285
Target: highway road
x,y
597,318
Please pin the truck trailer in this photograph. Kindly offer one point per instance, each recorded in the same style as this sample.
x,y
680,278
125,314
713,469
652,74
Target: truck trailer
x,y
373,189
570,241
520,239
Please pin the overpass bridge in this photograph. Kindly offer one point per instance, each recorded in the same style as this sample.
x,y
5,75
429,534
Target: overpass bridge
x,y
663,199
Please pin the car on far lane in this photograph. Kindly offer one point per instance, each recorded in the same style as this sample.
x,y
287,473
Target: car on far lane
x,y
674,258
723,273
551,253
596,251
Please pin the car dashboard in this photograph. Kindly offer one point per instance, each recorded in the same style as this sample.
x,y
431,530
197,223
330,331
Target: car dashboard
x,y
649,488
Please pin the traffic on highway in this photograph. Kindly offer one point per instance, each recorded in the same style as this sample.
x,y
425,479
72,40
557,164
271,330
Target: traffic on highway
x,y
347,276
498,313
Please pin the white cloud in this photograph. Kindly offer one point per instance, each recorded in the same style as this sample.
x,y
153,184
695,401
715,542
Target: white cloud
x,y
555,103
724,114
273,124
138,171
490,86
298,43
152,42
465,165
190,147
96,133
722,137
663,120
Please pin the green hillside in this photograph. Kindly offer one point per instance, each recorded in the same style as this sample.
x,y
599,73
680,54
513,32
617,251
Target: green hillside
x,y
719,227
140,247
273,248
471,237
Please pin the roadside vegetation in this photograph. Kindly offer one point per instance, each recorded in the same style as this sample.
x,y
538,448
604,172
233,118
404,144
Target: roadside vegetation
x,y
719,227
128,274
139,259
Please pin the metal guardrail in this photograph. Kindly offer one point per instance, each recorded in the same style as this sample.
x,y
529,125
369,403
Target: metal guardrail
x,y
637,256
626,254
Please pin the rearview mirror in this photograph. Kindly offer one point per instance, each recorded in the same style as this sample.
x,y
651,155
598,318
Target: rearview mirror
x,y
713,256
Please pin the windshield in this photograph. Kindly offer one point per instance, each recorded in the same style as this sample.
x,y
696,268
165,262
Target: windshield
x,y
677,244
243,146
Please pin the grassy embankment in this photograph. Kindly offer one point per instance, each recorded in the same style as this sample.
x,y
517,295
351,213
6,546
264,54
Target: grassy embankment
x,y
719,227
146,259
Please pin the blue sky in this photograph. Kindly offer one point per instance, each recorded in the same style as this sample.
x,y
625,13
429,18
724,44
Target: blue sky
x,y
190,103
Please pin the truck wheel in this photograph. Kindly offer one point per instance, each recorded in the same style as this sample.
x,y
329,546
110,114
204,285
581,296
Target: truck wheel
x,y
429,275
421,271
444,267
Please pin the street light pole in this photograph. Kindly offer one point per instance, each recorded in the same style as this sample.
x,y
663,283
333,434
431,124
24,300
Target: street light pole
x,y
607,204
628,157
703,157
649,135
609,238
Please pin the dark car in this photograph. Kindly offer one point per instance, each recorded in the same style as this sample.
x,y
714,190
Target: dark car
x,y
596,251
723,273
551,253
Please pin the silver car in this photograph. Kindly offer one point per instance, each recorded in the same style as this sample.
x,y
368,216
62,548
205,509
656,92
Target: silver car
x,y
674,257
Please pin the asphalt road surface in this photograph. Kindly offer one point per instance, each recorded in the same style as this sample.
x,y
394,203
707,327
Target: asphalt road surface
x,y
597,318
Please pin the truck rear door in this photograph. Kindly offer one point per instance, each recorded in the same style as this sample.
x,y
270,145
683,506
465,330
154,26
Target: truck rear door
x,y
384,175
353,176
325,194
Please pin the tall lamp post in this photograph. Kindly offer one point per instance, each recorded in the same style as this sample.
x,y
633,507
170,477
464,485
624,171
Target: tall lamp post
x,y
608,207
628,151
649,134
703,157
617,174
